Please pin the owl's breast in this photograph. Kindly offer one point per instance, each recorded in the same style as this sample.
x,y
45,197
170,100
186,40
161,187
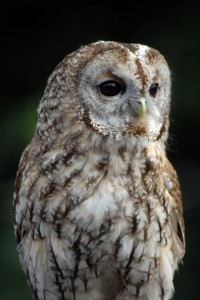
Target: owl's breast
x,y
124,195
124,220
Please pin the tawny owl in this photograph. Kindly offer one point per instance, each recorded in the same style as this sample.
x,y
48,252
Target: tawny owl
x,y
98,211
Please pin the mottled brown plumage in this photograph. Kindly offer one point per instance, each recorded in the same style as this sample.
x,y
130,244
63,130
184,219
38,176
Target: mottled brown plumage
x,y
98,210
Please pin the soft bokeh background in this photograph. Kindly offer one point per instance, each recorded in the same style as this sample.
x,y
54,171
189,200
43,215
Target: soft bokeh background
x,y
35,36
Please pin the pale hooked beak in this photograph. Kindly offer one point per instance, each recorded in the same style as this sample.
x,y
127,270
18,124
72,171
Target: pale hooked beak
x,y
142,109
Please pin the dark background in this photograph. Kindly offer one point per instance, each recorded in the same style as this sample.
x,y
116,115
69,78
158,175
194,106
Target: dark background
x,y
35,37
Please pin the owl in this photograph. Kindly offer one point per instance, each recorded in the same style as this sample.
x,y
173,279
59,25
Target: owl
x,y
97,204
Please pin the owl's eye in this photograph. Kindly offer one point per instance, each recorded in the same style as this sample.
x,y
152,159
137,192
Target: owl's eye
x,y
153,89
111,88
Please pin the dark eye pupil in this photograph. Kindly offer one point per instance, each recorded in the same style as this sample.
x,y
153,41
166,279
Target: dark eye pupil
x,y
110,88
153,89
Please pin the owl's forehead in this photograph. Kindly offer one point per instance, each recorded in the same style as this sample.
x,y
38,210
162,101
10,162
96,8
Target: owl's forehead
x,y
122,52
130,60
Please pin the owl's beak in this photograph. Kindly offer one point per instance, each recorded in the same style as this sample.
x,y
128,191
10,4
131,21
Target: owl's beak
x,y
142,109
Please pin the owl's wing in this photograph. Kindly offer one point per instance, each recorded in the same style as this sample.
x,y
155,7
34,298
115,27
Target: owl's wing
x,y
176,214
25,194
18,185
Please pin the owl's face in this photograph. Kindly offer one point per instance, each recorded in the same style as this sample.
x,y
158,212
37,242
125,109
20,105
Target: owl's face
x,y
125,86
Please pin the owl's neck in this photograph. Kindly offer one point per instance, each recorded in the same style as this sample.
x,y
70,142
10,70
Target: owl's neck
x,y
87,134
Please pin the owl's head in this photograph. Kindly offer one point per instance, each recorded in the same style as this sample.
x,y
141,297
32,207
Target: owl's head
x,y
118,89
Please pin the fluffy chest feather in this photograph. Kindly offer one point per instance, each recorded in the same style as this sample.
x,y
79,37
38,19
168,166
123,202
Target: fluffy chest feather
x,y
123,205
